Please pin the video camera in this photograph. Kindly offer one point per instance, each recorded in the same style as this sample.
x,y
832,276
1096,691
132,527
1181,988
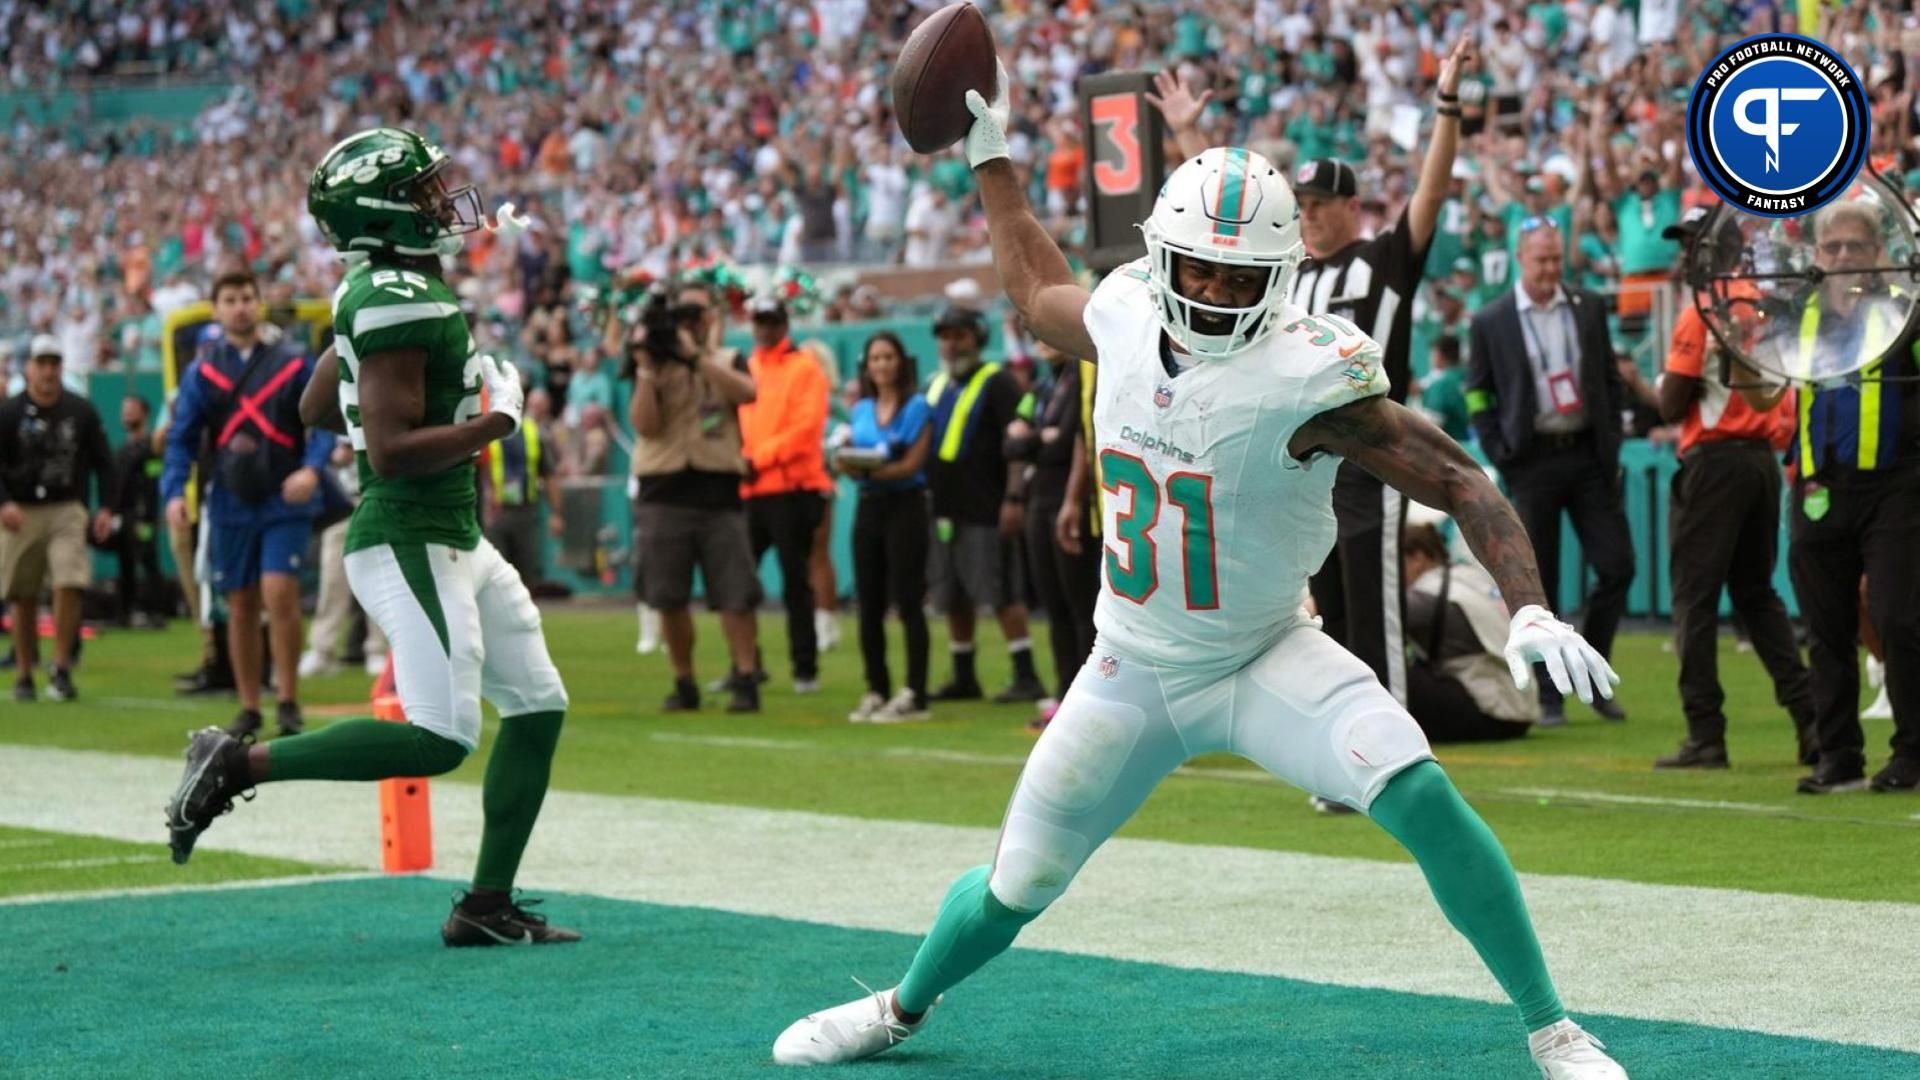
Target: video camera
x,y
661,321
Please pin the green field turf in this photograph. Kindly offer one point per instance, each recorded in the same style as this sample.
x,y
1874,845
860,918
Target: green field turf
x,y
155,985
1578,800
33,862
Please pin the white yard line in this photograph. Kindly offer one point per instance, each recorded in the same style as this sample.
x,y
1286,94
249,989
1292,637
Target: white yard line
x,y
87,864
1722,957
169,890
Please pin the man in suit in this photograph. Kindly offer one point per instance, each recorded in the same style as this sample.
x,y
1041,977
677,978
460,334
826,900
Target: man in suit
x,y
1546,398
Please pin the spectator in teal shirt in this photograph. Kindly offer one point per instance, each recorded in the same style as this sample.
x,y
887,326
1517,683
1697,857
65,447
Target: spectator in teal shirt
x,y
1443,395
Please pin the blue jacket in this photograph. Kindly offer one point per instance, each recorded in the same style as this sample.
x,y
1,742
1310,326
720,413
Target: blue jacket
x,y
258,440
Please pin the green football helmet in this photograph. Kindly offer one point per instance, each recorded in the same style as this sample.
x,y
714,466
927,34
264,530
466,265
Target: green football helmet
x,y
385,189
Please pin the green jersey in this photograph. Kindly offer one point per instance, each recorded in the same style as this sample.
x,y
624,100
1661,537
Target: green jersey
x,y
377,309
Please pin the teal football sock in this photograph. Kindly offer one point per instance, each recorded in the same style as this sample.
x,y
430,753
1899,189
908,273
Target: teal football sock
x,y
362,750
515,787
973,927
1473,880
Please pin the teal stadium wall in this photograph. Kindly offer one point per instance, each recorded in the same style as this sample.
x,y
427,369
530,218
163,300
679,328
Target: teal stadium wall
x,y
1649,473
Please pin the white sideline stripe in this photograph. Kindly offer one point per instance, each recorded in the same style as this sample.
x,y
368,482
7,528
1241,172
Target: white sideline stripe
x,y
170,890
84,864
1722,957
29,841
1646,800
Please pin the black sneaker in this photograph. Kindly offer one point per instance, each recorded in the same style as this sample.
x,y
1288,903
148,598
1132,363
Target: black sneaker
x,y
685,697
206,791
60,685
744,694
1809,748
206,683
1609,709
247,724
1552,714
1901,774
287,716
1026,688
509,924
1833,776
1693,755
958,691
23,688
725,682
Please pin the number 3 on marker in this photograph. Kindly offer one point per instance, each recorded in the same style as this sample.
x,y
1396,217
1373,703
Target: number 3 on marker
x,y
1119,114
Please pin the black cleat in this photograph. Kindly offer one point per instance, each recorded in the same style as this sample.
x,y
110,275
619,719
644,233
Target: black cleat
x,y
744,694
287,715
509,924
206,683
1609,709
1833,776
1901,774
206,791
247,724
685,697
23,689
1026,688
1693,755
60,685
958,691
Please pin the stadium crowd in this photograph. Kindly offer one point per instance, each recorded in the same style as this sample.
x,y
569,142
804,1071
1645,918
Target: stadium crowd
x,y
644,138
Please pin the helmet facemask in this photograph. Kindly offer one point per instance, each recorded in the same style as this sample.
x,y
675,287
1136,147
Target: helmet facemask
x,y
450,212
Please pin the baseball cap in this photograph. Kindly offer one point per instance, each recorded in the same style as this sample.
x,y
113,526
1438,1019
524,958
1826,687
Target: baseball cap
x,y
770,307
1465,265
1325,176
45,345
958,317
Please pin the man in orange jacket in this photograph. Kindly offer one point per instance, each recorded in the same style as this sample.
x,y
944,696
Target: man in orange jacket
x,y
784,431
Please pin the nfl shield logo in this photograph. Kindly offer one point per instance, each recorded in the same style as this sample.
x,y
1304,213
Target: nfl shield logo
x,y
1109,666
1163,396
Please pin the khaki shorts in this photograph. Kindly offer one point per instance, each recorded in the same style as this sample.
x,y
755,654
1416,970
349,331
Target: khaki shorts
x,y
53,537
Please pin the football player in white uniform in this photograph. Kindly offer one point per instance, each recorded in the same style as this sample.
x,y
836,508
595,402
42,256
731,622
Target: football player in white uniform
x,y
1220,413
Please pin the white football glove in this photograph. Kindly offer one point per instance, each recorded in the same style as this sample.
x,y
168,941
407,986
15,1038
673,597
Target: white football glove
x,y
1573,664
509,223
505,395
987,138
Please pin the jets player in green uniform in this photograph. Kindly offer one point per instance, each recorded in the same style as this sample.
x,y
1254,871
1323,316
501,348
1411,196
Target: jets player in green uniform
x,y
404,384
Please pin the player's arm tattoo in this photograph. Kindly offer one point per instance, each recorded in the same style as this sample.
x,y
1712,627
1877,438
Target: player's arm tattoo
x,y
1408,451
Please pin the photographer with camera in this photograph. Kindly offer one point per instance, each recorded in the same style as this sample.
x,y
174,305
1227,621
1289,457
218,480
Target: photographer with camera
x,y
687,460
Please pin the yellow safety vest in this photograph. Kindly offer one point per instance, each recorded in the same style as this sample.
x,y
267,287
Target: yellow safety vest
x,y
1088,374
962,409
496,464
1880,333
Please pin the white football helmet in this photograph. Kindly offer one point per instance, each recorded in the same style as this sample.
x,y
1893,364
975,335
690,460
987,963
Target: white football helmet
x,y
1229,205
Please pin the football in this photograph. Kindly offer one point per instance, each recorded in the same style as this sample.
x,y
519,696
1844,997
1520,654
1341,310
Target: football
x,y
947,55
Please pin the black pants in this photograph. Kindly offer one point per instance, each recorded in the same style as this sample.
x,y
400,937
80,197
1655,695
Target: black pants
x,y
1872,526
1575,481
1725,515
891,535
785,523
516,534
1357,592
1447,713
1068,586
137,558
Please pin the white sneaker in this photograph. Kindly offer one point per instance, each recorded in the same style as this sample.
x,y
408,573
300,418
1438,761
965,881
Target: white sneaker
x,y
1564,1052
1876,673
376,664
1881,709
806,686
649,631
313,665
826,630
859,1029
862,713
901,710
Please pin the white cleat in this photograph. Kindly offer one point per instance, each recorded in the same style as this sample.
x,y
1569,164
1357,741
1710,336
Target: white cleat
x,y
1565,1052
857,1030
870,703
826,630
313,665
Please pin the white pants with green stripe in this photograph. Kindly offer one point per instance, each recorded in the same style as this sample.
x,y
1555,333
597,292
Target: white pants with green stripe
x,y
460,625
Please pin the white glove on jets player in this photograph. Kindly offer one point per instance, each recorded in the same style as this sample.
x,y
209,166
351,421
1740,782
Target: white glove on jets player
x,y
1572,663
504,392
987,138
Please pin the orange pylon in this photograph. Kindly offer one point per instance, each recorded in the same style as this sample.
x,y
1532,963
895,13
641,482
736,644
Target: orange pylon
x,y
406,815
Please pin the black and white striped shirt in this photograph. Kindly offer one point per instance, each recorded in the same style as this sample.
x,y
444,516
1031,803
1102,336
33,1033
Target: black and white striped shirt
x,y
1371,284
